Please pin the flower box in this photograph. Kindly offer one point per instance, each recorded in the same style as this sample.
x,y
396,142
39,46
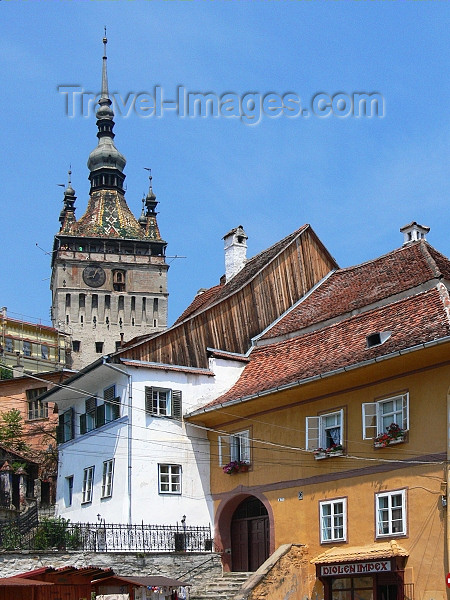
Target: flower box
x,y
389,442
321,453
393,435
236,466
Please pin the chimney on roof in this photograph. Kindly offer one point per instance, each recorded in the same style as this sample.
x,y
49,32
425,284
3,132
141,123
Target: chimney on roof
x,y
235,251
414,232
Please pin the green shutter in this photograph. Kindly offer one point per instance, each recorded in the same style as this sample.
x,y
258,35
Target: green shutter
x,y
177,410
100,420
60,430
116,408
83,427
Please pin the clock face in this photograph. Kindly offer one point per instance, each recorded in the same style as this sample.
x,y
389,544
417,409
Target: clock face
x,y
94,276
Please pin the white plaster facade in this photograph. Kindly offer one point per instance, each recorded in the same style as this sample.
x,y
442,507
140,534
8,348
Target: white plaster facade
x,y
138,443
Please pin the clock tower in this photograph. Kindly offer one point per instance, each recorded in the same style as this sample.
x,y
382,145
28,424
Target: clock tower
x,y
109,272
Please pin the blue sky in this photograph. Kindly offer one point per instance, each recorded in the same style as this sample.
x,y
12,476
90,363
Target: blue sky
x,y
355,180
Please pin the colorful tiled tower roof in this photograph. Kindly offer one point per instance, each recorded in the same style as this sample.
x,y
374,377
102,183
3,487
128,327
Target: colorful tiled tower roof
x,y
107,214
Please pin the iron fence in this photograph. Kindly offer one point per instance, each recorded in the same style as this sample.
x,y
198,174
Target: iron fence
x,y
59,534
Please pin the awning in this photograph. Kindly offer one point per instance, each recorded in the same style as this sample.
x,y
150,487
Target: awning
x,y
389,549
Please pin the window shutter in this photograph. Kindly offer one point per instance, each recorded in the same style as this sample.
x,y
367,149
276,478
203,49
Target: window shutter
x,y
405,411
224,449
100,416
176,404
244,446
109,394
369,420
116,408
83,427
149,399
60,430
70,416
341,424
91,403
312,433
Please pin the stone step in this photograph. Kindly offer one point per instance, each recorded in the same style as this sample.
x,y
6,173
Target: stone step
x,y
221,588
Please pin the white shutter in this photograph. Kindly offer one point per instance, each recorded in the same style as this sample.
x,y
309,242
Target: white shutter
x,y
224,449
312,433
405,411
369,420
244,446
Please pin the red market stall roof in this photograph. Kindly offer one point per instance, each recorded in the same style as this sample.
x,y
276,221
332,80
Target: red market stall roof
x,y
150,581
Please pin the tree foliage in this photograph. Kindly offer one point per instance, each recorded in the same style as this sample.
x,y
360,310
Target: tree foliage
x,y
11,431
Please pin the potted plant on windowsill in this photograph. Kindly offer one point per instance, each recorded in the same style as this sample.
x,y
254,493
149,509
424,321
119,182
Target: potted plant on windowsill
x,y
236,466
334,450
394,434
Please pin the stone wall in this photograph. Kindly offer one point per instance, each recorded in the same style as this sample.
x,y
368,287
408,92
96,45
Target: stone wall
x,y
286,575
176,565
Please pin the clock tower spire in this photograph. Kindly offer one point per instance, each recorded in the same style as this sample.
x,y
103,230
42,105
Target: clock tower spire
x,y
109,273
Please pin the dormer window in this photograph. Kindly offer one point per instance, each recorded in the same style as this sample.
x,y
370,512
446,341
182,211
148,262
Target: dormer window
x,y
377,338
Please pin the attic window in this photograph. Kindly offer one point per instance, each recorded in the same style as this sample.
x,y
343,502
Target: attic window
x,y
378,338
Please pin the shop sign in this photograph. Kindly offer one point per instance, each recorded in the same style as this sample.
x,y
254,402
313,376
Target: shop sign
x,y
379,566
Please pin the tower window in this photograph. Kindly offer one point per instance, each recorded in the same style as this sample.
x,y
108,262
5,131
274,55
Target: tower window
x,y
121,302
82,300
119,281
144,303
99,347
76,345
94,301
107,302
155,304
67,300
133,302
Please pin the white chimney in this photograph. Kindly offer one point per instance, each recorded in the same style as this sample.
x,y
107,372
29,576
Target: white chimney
x,y
414,232
235,251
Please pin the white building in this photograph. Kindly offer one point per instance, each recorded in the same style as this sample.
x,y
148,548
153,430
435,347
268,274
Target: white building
x,y
125,454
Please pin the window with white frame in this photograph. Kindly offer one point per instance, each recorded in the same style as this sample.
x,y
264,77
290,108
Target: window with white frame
x,y
162,402
391,513
107,479
325,431
88,480
333,520
169,479
378,416
234,447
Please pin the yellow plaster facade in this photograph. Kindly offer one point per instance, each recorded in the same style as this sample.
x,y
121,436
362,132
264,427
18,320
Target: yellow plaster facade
x,y
292,483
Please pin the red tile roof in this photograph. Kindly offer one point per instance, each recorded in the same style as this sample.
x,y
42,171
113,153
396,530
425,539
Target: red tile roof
x,y
356,287
413,321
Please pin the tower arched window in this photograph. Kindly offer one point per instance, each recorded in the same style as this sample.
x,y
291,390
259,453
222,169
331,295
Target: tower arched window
x,y
119,280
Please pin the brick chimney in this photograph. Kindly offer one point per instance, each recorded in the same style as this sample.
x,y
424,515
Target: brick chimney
x,y
235,251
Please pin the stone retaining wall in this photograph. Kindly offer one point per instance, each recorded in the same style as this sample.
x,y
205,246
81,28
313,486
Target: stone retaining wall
x,y
176,565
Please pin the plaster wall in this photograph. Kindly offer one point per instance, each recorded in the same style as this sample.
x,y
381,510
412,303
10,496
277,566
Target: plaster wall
x,y
138,442
292,483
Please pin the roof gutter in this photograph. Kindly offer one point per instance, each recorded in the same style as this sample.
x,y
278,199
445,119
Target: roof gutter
x,y
325,375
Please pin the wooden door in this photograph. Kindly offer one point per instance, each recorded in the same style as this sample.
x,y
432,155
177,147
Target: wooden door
x,y
239,545
258,542
250,535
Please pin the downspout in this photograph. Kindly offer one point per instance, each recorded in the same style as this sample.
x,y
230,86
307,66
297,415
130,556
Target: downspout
x,y
129,434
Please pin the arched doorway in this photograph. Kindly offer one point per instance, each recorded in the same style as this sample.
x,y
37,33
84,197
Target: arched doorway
x,y
250,535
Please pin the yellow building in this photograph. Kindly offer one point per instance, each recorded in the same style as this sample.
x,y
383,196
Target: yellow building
x,y
27,348
334,439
